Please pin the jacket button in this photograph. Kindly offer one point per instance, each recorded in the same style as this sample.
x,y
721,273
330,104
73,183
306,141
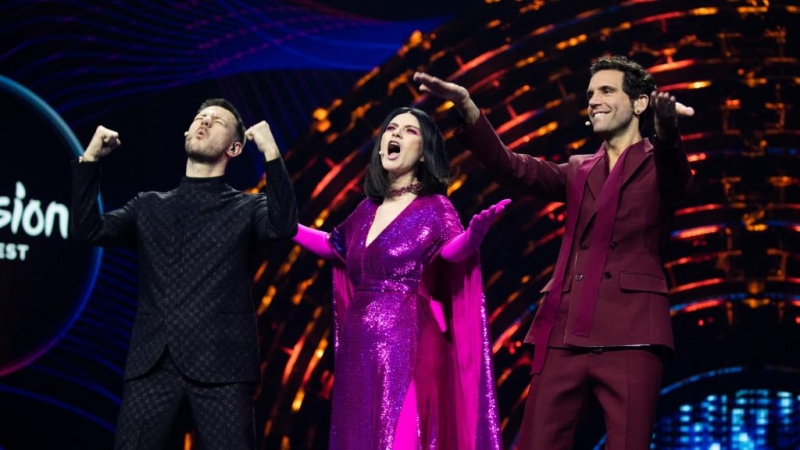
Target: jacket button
x,y
579,277
614,245
584,246
607,274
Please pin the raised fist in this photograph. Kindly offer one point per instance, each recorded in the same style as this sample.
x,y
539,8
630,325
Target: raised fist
x,y
102,143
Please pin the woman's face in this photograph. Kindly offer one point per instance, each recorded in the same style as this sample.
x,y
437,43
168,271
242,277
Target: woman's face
x,y
401,146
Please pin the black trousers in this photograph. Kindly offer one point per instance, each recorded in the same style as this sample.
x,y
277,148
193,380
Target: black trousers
x,y
222,414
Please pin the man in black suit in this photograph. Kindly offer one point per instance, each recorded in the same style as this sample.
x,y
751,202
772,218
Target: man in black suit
x,y
195,337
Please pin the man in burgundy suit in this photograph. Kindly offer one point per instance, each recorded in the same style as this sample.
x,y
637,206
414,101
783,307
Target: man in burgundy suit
x,y
603,324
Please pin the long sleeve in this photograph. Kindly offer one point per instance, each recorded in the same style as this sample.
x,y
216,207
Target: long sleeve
x,y
673,173
461,246
525,173
314,241
277,219
117,227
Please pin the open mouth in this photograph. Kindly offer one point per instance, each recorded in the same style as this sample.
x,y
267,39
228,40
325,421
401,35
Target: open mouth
x,y
393,148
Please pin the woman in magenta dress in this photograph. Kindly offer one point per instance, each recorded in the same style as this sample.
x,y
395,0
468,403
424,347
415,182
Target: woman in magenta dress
x,y
412,364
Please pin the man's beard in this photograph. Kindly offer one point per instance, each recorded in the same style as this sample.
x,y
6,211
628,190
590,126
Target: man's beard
x,y
199,156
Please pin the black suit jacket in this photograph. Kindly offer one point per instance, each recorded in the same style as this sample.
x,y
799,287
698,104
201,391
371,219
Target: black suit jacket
x,y
195,246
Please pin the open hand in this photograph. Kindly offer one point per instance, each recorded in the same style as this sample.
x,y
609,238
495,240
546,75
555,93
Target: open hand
x,y
481,222
666,111
449,91
440,88
666,107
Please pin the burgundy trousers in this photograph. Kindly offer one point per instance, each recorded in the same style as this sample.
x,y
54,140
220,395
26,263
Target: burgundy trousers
x,y
624,381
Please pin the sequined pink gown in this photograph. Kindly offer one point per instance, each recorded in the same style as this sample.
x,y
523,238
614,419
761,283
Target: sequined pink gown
x,y
387,337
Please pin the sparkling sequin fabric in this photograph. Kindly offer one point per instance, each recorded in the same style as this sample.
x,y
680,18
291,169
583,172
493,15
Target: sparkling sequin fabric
x,y
387,337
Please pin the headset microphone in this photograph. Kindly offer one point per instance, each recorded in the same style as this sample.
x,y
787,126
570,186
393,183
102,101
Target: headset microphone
x,y
587,123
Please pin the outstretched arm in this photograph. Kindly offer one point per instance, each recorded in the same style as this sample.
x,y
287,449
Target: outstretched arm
x,y
524,173
470,240
673,173
452,92
314,241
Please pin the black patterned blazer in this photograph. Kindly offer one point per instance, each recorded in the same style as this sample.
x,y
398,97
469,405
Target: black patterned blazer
x,y
195,247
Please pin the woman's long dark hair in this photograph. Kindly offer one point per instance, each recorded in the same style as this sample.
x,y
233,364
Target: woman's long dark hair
x,y
433,172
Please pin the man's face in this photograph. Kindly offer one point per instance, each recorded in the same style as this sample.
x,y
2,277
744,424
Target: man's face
x,y
212,132
610,108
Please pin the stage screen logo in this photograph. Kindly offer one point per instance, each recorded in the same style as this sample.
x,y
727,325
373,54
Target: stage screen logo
x,y
45,277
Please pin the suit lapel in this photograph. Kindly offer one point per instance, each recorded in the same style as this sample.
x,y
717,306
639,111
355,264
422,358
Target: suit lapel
x,y
639,152
591,174
596,179
577,199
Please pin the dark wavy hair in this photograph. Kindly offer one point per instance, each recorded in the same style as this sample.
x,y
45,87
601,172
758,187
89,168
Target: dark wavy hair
x,y
222,103
433,173
636,80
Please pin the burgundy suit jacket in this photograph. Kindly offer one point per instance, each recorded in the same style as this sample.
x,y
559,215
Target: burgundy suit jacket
x,y
631,307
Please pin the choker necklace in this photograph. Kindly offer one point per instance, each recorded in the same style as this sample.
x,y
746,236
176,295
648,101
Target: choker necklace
x,y
413,187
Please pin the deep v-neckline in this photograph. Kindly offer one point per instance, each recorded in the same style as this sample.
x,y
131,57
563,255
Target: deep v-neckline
x,y
380,233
